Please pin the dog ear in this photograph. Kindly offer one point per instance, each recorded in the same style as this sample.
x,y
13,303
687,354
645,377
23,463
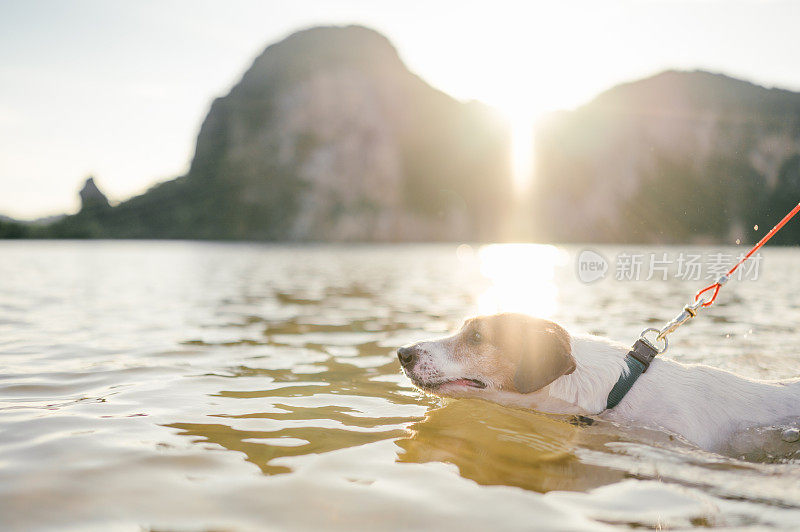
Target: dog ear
x,y
546,356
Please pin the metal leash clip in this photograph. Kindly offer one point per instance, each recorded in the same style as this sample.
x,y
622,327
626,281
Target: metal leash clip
x,y
689,312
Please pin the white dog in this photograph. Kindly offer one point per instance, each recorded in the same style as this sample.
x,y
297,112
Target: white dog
x,y
520,361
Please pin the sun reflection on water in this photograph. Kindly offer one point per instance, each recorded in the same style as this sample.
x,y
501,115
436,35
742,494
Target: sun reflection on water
x,y
522,278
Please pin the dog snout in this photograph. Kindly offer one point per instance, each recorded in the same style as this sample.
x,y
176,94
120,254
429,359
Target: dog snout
x,y
408,356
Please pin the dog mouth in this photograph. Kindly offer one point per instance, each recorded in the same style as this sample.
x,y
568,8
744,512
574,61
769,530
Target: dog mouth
x,y
468,383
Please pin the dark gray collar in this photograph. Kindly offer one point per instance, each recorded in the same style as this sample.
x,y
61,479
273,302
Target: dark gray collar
x,y
638,360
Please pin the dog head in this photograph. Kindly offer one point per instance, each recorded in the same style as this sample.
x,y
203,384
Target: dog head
x,y
503,352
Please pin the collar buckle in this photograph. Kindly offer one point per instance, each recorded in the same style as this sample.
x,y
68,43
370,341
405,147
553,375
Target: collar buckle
x,y
644,352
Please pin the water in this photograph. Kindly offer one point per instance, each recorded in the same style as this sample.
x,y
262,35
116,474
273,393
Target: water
x,y
201,386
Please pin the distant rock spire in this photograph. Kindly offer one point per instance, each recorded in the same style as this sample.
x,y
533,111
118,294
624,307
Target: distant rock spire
x,y
91,197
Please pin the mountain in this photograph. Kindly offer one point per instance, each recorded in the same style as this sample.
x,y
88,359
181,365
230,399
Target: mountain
x,y
678,157
12,228
327,136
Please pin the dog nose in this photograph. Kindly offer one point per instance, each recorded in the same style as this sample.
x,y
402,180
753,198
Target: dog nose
x,y
407,356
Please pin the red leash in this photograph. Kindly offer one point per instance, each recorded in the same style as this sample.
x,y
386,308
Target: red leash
x,y
718,284
690,311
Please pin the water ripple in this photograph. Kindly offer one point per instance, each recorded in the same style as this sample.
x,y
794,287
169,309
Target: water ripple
x,y
240,386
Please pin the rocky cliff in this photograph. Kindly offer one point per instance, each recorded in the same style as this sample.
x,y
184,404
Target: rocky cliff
x,y
678,157
328,136
91,197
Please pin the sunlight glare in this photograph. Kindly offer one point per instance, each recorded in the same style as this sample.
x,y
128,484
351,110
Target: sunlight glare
x,y
522,278
522,152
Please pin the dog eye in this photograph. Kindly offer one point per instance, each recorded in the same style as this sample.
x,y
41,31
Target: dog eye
x,y
475,337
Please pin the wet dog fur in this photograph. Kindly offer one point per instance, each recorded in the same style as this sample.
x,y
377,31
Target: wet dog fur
x,y
526,362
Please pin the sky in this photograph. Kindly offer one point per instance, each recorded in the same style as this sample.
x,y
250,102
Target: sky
x,y
118,89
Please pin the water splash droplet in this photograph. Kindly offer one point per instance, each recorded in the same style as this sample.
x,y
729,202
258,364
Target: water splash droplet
x,y
790,435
